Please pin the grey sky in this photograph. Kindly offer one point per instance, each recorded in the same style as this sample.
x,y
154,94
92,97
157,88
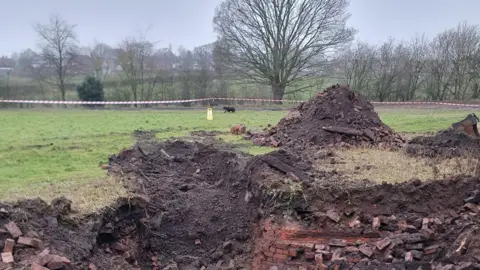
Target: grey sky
x,y
189,22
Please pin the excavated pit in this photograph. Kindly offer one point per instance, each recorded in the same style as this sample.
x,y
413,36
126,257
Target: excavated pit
x,y
194,206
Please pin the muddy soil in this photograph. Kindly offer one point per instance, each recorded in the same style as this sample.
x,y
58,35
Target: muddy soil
x,y
194,206
444,144
336,117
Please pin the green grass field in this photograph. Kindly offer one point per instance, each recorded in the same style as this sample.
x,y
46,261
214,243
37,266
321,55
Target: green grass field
x,y
49,152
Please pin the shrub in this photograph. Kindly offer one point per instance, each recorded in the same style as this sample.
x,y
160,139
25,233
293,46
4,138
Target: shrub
x,y
91,89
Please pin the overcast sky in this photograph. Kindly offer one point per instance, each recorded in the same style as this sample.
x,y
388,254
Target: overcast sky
x,y
189,22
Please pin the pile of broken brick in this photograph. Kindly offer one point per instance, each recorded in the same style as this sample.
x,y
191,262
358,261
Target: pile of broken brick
x,y
13,239
447,240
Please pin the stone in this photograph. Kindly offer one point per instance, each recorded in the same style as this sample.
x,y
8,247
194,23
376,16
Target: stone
x,y
472,207
418,246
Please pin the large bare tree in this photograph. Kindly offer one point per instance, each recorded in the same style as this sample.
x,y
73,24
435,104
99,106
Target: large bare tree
x,y
59,51
278,42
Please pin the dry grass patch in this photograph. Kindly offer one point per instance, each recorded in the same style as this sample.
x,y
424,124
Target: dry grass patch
x,y
87,197
381,165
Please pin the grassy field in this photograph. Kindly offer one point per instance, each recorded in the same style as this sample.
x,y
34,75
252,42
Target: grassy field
x,y
48,153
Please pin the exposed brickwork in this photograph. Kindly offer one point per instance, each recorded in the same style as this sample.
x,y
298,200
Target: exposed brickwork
x,y
291,247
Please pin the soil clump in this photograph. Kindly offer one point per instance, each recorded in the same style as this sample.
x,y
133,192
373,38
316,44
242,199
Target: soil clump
x,y
336,117
444,144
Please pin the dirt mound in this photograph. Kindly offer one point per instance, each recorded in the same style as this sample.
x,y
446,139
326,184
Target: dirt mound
x,y
445,144
336,117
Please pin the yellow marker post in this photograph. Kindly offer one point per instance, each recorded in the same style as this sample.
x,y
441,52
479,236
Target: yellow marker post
x,y
209,114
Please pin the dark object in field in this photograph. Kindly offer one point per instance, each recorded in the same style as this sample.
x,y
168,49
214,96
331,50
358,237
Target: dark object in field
x,y
467,125
228,109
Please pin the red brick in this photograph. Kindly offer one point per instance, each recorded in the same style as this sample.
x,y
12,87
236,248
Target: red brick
x,y
408,256
308,246
272,249
13,229
43,258
425,222
337,243
281,245
36,266
36,243
376,223
7,257
293,252
309,255
56,262
383,243
431,249
268,254
24,241
283,251
365,250
280,256
331,214
9,244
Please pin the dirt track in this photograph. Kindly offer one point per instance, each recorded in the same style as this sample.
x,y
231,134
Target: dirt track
x,y
204,205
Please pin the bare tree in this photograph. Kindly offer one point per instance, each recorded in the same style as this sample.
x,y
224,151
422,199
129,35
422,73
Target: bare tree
x,y
356,65
386,70
218,64
185,69
101,59
59,51
139,70
414,61
203,60
277,42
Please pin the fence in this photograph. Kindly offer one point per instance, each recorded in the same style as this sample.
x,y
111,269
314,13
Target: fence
x,y
212,101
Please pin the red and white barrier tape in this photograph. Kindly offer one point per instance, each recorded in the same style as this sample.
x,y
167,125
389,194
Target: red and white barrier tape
x,y
213,99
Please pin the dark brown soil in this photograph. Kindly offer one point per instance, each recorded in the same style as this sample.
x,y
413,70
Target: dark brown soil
x,y
445,144
336,117
194,205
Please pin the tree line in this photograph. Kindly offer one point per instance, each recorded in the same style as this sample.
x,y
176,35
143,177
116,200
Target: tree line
x,y
265,48
445,67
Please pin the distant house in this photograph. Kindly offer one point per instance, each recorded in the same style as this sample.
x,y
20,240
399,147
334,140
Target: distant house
x,y
7,64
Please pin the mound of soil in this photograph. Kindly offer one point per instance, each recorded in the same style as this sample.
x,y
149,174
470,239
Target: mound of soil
x,y
336,117
445,144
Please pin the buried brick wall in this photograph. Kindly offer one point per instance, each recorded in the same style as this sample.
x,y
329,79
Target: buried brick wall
x,y
289,246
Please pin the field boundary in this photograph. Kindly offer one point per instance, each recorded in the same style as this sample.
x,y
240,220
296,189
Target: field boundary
x,y
78,102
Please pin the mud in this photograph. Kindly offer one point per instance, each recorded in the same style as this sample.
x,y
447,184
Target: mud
x,y
444,144
194,206
336,117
